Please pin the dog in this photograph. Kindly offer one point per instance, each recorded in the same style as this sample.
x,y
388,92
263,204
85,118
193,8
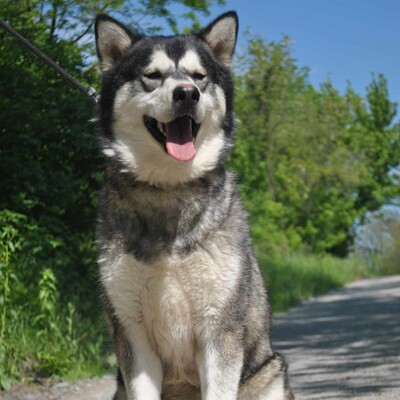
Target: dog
x,y
182,290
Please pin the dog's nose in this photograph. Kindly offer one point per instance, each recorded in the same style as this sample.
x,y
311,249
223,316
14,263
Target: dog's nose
x,y
186,95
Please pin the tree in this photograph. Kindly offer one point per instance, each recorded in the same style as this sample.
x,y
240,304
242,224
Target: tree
x,y
73,20
266,95
312,161
375,137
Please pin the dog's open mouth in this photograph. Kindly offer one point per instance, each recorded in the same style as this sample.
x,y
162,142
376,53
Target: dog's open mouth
x,y
177,136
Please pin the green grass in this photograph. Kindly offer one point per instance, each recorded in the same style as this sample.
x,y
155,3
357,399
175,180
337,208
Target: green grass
x,y
294,277
58,351
51,323
52,328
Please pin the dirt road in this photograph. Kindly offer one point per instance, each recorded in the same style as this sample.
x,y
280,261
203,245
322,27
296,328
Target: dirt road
x,y
344,345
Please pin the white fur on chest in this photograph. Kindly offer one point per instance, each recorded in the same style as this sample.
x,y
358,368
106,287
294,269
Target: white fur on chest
x,y
177,299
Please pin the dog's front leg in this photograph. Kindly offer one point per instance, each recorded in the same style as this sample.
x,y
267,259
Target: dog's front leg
x,y
219,368
140,366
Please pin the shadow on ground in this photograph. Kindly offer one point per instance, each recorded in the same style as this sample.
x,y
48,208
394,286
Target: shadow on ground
x,y
345,344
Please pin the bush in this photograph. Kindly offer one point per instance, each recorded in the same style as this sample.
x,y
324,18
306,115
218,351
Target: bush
x,y
50,325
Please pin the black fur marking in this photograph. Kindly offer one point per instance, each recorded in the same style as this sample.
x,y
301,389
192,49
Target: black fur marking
x,y
148,233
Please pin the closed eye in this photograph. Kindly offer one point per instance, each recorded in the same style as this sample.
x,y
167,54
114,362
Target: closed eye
x,y
153,75
198,76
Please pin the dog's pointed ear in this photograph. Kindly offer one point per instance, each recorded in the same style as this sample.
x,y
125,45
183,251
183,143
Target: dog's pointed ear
x,y
221,36
112,40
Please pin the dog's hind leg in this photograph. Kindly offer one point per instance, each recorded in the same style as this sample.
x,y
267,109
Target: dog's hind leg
x,y
270,382
120,394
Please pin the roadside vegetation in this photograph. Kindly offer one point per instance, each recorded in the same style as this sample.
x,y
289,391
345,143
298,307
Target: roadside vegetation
x,y
314,165
294,277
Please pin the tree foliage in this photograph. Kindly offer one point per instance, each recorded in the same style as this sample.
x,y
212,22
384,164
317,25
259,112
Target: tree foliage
x,y
376,137
311,160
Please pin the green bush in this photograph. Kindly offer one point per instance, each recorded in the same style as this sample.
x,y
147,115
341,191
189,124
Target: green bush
x,y
50,325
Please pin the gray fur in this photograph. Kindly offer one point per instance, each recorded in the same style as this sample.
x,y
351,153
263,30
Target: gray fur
x,y
192,234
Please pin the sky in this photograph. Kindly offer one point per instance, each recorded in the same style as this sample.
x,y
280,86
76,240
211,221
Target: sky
x,y
343,40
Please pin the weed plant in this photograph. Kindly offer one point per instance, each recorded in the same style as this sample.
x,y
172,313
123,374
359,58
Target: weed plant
x,y
48,329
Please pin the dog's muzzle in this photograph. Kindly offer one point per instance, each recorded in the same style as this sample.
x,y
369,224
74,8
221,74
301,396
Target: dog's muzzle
x,y
178,136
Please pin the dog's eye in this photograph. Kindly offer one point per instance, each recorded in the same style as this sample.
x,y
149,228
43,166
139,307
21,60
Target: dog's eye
x,y
153,75
197,76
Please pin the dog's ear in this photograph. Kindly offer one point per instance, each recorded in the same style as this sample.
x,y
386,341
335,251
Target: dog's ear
x,y
221,36
112,40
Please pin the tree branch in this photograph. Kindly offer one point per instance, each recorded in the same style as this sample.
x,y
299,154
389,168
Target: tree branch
x,y
85,32
53,21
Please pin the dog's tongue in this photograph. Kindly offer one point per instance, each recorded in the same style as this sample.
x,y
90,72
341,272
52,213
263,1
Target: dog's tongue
x,y
180,143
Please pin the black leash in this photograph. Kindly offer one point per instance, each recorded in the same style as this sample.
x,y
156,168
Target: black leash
x,y
88,91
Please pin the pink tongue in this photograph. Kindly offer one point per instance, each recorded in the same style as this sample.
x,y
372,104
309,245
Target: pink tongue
x,y
180,145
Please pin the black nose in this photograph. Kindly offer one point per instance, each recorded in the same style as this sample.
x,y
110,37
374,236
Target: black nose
x,y
186,95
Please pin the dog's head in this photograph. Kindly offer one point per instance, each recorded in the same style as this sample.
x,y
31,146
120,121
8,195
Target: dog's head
x,y
166,102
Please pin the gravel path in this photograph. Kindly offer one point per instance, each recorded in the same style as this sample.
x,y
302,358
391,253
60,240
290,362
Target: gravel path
x,y
346,344
88,389
343,345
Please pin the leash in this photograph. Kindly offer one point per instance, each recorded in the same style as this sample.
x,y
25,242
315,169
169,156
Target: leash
x,y
88,91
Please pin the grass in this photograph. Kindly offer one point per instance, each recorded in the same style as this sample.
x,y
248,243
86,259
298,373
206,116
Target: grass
x,y
294,277
58,352
49,327
44,336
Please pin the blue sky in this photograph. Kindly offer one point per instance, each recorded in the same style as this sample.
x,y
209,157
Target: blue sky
x,y
345,40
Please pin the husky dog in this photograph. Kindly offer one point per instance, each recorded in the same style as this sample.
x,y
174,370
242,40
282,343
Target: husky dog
x,y
184,295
